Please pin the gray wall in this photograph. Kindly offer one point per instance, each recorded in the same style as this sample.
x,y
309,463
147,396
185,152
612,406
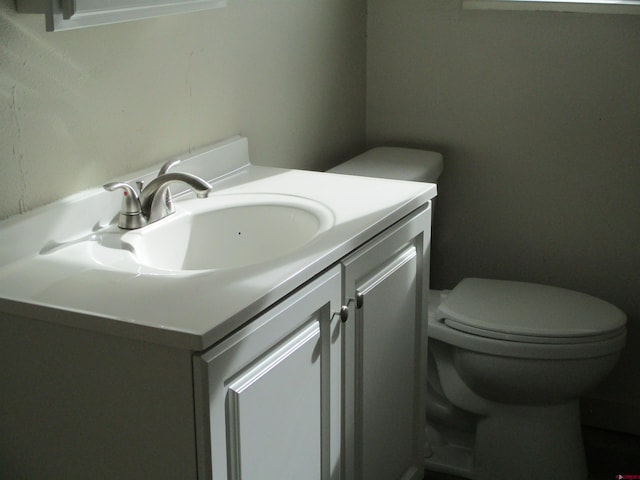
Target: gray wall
x,y
538,116
80,107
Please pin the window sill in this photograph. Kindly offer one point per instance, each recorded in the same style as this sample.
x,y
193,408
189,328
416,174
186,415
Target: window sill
x,y
593,6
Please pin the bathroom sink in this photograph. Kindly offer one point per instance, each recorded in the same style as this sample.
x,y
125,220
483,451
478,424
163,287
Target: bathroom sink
x,y
228,231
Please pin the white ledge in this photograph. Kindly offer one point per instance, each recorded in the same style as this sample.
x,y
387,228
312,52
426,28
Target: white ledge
x,y
630,7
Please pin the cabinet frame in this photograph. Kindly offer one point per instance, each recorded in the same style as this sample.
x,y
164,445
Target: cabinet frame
x,y
395,263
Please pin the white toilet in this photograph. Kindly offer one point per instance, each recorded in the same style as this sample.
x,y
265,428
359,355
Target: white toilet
x,y
508,361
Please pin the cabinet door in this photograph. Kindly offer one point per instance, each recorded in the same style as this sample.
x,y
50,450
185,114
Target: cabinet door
x,y
269,396
385,354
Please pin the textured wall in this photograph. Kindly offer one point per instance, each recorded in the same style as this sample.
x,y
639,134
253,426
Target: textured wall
x,y
79,107
538,117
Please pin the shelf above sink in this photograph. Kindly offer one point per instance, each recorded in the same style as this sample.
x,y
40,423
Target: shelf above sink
x,y
71,14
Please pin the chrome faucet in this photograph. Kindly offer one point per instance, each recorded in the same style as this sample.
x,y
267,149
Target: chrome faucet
x,y
154,201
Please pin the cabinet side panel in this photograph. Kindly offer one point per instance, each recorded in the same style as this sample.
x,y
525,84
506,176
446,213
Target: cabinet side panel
x,y
77,405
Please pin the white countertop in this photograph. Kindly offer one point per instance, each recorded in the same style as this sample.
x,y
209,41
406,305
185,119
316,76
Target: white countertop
x,y
65,284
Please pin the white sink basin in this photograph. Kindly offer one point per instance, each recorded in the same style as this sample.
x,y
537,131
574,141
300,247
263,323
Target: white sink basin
x,y
228,231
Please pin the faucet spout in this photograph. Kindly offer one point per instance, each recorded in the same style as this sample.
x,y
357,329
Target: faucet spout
x,y
156,205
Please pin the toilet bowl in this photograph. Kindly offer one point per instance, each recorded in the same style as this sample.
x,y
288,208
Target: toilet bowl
x,y
508,361
511,360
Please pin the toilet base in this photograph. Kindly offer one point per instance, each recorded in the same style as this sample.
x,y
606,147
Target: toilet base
x,y
536,442
451,460
448,452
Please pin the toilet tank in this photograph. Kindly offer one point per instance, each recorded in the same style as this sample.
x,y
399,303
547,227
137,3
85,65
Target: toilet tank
x,y
396,163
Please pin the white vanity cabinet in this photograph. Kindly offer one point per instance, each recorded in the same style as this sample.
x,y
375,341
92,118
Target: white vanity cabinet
x,y
115,369
301,392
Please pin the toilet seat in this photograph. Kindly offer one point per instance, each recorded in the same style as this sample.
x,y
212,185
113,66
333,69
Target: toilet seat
x,y
530,313
529,338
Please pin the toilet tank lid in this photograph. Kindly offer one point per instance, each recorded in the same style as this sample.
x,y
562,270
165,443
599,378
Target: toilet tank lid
x,y
527,309
396,163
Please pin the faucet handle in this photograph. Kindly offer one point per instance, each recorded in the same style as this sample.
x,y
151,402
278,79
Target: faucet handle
x,y
168,199
130,216
169,164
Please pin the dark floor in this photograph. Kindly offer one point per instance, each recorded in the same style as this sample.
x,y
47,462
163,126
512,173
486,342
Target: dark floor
x,y
608,454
